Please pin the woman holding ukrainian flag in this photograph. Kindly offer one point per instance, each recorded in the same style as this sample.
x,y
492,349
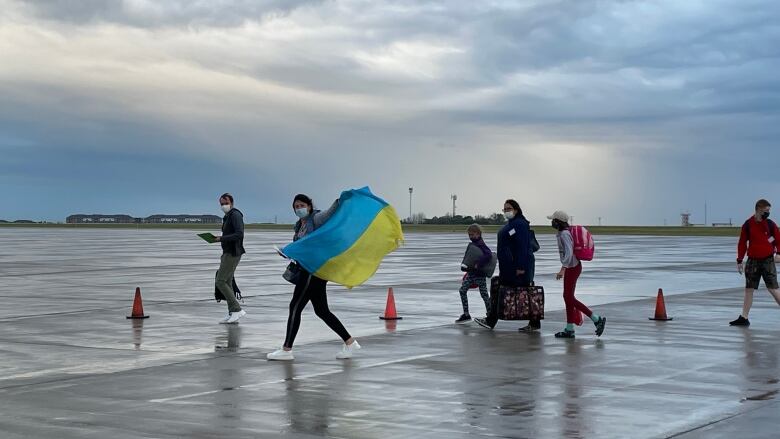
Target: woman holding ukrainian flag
x,y
345,245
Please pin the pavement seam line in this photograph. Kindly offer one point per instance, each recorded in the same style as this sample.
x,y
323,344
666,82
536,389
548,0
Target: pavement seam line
x,y
717,421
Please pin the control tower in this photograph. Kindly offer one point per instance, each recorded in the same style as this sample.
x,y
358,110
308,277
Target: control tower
x,y
685,219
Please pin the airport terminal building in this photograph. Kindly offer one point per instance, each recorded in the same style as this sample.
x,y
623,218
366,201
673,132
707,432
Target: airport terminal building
x,y
154,219
183,219
102,219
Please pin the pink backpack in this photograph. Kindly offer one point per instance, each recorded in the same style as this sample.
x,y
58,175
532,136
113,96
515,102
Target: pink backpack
x,y
584,247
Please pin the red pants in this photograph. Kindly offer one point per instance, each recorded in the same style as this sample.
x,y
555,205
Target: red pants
x,y
573,306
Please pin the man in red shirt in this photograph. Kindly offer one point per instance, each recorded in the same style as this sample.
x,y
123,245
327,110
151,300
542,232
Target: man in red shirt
x,y
760,239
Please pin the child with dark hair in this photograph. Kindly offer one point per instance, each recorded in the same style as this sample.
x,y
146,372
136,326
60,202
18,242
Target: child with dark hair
x,y
570,272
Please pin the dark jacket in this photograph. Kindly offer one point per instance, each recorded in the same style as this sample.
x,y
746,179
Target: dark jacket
x,y
515,253
232,240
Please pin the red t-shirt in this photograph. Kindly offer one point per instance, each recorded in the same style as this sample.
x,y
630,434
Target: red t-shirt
x,y
759,245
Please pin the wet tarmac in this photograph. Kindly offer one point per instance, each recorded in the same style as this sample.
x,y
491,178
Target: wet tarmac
x,y
72,366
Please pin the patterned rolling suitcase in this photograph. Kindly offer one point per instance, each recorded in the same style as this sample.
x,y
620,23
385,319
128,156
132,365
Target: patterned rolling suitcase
x,y
518,303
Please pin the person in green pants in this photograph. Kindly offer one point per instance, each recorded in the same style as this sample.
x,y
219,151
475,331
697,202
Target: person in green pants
x,y
232,241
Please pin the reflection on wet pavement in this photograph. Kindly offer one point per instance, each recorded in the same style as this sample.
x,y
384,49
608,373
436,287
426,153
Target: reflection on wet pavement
x,y
72,366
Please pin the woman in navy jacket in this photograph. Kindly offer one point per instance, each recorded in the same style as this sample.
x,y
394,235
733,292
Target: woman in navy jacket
x,y
516,262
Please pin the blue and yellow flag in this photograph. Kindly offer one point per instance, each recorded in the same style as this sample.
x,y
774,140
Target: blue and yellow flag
x,y
349,247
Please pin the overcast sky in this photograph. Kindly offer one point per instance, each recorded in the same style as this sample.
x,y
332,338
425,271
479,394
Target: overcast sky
x,y
628,110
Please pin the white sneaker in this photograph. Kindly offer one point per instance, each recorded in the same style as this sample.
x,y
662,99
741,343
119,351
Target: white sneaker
x,y
348,350
280,355
235,316
225,319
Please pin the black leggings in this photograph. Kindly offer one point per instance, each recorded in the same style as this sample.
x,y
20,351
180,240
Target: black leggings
x,y
311,288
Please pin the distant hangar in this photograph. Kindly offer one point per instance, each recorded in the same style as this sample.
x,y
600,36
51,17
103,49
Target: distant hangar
x,y
153,219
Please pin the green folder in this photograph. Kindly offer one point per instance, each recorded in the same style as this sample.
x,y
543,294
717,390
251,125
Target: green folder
x,y
208,237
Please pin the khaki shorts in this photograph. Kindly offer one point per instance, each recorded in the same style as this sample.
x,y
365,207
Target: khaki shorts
x,y
756,269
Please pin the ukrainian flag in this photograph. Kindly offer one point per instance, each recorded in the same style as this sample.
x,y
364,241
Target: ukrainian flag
x,y
349,247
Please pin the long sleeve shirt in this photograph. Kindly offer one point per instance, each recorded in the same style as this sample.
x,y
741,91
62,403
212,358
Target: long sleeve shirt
x,y
566,249
755,240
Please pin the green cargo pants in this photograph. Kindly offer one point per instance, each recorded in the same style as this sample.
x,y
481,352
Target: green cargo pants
x,y
227,268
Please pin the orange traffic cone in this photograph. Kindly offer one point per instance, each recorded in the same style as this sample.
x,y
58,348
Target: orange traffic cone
x,y
660,307
390,313
138,307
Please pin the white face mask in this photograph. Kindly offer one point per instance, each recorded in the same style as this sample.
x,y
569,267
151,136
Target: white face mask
x,y
303,212
226,207
509,215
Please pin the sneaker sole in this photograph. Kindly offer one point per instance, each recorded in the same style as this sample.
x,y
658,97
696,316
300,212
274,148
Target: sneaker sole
x,y
465,322
600,331
236,320
339,357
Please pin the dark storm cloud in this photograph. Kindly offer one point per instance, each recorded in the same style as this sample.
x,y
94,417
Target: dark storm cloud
x,y
170,13
654,86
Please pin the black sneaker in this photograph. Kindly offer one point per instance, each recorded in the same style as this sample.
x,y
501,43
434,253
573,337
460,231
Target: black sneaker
x,y
600,324
741,321
483,323
463,319
564,334
529,328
